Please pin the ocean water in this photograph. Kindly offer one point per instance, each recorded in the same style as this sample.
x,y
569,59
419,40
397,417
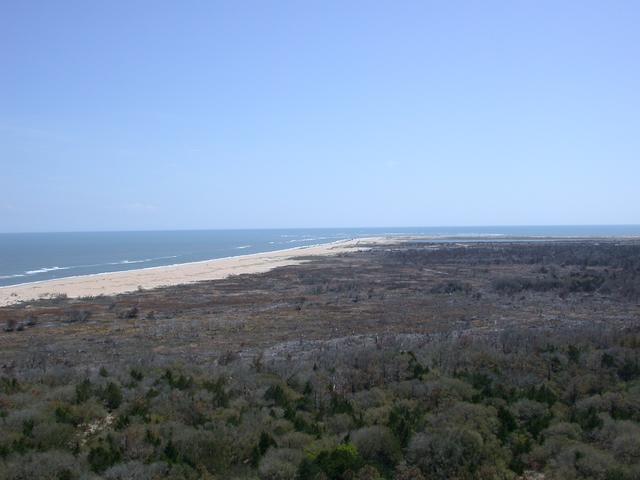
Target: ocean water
x,y
33,257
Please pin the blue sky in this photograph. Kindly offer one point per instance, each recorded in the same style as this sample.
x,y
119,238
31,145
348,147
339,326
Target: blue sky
x,y
170,115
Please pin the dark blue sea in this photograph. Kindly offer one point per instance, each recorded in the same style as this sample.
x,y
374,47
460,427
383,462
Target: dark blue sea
x,y
32,257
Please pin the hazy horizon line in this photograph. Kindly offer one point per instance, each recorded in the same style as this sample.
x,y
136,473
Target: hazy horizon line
x,y
327,228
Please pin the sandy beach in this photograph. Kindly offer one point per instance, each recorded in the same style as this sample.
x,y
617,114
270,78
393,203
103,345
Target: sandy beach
x,y
114,283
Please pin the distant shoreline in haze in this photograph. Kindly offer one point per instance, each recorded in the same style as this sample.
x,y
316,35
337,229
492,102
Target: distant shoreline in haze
x,y
37,257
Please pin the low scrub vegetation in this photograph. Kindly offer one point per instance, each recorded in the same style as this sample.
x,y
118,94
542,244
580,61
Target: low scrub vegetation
x,y
566,405
495,360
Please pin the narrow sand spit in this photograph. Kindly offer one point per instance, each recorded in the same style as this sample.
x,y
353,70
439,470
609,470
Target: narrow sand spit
x,y
121,282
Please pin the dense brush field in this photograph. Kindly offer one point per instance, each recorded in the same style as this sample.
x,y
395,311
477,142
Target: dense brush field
x,y
524,382
565,404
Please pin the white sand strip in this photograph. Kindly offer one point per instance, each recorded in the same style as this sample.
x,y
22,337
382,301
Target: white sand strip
x,y
114,283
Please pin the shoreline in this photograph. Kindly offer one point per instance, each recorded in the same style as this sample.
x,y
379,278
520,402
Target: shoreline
x,y
146,278
195,262
126,281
